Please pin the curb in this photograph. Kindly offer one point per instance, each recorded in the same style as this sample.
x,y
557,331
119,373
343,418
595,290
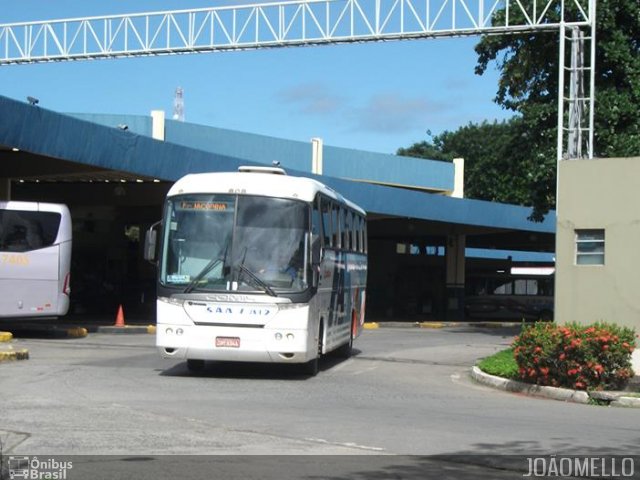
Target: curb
x,y
374,325
128,329
627,402
22,354
43,331
6,336
431,325
615,399
77,332
526,388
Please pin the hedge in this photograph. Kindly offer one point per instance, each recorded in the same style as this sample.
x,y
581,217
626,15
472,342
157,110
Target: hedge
x,y
591,357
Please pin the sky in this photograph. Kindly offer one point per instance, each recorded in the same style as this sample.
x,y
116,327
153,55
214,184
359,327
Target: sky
x,y
369,96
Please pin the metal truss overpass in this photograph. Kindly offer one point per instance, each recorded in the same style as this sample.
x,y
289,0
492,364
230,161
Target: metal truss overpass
x,y
316,22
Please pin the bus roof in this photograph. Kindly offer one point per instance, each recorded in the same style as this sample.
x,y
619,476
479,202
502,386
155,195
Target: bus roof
x,y
35,207
265,182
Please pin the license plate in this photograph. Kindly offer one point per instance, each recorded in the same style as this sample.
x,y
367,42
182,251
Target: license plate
x,y
230,342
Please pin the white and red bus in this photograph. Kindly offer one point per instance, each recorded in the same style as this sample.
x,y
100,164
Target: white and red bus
x,y
258,266
35,260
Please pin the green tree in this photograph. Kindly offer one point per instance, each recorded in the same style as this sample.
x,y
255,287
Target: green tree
x,y
495,157
515,161
528,85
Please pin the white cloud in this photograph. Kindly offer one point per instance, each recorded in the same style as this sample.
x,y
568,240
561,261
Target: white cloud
x,y
312,98
393,113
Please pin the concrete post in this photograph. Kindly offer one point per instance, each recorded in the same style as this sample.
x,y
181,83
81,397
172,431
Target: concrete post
x,y
157,124
316,156
455,265
458,181
5,189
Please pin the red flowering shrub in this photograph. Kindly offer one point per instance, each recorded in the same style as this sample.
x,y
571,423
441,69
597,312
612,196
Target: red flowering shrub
x,y
594,357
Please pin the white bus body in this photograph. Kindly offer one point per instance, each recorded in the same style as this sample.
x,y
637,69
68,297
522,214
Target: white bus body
x,y
35,259
259,266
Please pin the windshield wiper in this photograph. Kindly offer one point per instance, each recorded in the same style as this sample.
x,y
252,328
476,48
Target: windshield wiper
x,y
207,268
213,263
261,283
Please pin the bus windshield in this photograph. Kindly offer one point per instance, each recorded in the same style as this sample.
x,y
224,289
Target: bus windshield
x,y
214,242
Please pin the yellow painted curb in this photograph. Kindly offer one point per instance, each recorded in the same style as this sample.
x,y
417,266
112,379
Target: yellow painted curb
x,y
151,329
6,336
371,326
77,332
431,325
22,354
491,325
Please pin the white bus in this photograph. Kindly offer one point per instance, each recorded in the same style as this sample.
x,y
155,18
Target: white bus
x,y
35,260
258,266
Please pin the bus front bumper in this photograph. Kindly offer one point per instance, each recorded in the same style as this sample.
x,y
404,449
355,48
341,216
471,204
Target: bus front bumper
x,y
225,344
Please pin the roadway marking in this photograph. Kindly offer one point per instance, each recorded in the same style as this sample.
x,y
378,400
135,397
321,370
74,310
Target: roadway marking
x,y
365,370
345,444
341,365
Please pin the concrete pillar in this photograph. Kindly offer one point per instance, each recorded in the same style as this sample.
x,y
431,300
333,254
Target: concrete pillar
x,y
5,189
458,179
157,124
316,156
455,273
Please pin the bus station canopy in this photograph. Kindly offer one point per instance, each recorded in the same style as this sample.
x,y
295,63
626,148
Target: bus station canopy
x,y
39,145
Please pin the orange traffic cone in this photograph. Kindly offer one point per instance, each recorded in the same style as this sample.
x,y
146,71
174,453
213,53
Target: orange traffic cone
x,y
120,317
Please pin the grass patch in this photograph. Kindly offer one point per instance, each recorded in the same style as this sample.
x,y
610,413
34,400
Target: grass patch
x,y
501,364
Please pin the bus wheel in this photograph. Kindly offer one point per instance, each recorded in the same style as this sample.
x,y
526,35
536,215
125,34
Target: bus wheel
x,y
195,366
312,367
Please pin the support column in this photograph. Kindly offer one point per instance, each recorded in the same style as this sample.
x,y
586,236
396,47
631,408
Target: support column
x,y
316,156
455,264
157,124
5,189
458,179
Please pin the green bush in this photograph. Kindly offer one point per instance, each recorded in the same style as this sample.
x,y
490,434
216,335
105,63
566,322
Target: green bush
x,y
593,357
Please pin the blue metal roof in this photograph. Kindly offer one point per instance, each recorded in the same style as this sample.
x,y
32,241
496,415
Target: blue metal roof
x,y
294,155
515,255
51,134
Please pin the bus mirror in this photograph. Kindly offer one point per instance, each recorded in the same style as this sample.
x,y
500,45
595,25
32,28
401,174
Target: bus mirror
x,y
151,243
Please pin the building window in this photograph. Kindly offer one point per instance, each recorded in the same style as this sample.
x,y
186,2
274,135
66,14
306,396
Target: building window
x,y
590,247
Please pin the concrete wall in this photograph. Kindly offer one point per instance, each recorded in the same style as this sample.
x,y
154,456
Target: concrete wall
x,y
599,194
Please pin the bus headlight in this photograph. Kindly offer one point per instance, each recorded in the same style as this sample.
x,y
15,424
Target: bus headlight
x,y
278,336
290,336
168,331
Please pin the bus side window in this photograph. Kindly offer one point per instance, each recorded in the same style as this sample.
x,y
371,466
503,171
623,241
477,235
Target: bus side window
x,y
316,230
316,219
347,234
354,232
335,209
344,229
365,239
327,230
